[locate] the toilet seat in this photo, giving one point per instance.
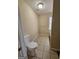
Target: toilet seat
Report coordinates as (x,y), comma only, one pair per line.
(32,48)
(32,45)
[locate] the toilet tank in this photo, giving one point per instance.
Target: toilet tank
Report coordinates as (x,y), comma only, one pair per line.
(27,39)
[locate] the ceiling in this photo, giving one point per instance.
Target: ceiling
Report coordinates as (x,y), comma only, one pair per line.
(48,6)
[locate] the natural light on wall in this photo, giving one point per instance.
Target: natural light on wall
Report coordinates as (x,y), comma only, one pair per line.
(50,23)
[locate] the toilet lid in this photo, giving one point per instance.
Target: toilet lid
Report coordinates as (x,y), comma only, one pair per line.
(32,45)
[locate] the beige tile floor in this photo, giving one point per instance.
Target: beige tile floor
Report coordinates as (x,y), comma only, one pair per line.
(43,50)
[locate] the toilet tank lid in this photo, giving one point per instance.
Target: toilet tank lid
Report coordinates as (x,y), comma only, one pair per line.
(26,36)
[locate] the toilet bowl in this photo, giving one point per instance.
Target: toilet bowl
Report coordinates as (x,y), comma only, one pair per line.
(30,44)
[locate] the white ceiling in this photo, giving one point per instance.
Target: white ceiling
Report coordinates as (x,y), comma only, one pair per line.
(48,6)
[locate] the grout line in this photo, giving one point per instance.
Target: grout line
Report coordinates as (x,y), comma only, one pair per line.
(43,52)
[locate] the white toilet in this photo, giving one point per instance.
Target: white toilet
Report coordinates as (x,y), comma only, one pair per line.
(30,44)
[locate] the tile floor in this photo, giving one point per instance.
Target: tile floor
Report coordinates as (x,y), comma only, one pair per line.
(43,50)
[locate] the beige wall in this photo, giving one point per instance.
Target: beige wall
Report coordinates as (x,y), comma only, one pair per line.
(43,24)
(29,19)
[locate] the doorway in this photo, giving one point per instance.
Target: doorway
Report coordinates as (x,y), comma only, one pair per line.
(37,23)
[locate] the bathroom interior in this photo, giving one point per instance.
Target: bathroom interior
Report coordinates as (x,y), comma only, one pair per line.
(38,29)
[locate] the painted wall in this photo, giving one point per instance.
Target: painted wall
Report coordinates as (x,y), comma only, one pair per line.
(29,19)
(43,24)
